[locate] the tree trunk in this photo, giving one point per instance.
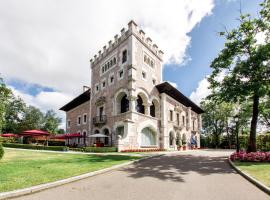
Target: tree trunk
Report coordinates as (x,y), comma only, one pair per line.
(253,127)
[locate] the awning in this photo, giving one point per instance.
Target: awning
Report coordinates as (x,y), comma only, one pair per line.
(98,135)
(8,135)
(35,133)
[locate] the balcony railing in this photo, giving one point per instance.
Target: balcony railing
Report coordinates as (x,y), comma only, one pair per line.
(99,120)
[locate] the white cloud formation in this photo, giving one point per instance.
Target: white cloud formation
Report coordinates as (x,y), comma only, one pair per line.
(201,91)
(45,101)
(50,42)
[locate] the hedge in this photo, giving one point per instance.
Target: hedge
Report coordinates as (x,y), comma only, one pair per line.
(36,147)
(1,151)
(95,149)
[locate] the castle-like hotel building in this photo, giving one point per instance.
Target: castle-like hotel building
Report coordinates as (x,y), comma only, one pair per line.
(128,101)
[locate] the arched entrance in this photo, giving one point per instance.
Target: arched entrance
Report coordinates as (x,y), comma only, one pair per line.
(148,137)
(106,139)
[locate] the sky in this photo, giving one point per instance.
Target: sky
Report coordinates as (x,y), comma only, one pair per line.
(46,46)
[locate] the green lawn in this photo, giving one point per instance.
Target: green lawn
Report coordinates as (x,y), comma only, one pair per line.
(259,171)
(22,168)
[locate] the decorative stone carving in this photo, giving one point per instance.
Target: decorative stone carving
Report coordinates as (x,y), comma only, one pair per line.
(100,101)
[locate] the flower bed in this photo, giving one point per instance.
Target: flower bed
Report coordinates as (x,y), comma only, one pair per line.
(143,150)
(251,157)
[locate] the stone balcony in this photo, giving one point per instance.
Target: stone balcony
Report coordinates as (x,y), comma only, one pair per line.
(100,120)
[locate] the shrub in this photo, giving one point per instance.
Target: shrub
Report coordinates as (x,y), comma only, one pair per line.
(36,147)
(251,157)
(1,151)
(143,150)
(99,149)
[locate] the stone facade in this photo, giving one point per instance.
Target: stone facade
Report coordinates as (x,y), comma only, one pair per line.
(125,102)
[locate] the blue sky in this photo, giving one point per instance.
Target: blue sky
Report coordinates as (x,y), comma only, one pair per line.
(205,43)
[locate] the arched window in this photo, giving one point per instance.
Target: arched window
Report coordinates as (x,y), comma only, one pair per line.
(178,139)
(114,60)
(124,107)
(107,133)
(140,106)
(153,110)
(148,137)
(171,138)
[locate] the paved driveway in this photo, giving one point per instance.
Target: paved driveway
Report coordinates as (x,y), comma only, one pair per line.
(190,175)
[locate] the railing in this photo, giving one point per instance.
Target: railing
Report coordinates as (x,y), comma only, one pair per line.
(98,120)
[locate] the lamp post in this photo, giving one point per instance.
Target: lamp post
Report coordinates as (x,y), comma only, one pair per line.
(236,118)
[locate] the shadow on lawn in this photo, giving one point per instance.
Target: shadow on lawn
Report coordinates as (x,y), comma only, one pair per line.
(173,168)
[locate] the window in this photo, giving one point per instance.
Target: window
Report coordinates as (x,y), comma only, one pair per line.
(97,88)
(193,125)
(124,56)
(79,120)
(124,105)
(153,110)
(68,123)
(154,81)
(108,64)
(148,60)
(178,119)
(140,106)
(111,79)
(171,138)
(85,118)
(121,74)
(143,75)
(171,115)
(148,137)
(183,120)
(120,131)
(103,84)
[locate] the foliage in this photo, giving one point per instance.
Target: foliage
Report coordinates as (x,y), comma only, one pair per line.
(215,119)
(2,152)
(96,149)
(262,141)
(244,64)
(8,140)
(4,96)
(265,111)
(251,157)
(143,150)
(36,147)
(51,122)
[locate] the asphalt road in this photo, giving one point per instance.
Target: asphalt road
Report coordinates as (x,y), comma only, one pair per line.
(203,175)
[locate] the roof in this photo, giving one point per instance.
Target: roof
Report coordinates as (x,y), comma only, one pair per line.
(178,96)
(82,98)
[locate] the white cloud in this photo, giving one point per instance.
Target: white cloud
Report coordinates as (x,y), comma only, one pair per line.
(201,91)
(50,42)
(45,101)
(173,84)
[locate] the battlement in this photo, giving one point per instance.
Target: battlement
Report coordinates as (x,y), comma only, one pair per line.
(124,34)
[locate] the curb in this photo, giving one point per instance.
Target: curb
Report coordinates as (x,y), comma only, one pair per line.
(38,188)
(250,179)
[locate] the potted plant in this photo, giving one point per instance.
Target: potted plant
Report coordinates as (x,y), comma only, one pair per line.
(184,145)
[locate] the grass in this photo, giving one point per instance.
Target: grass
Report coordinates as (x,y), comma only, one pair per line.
(259,171)
(22,168)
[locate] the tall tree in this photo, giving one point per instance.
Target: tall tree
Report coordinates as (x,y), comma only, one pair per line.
(216,119)
(265,112)
(51,122)
(33,118)
(245,65)
(5,94)
(14,112)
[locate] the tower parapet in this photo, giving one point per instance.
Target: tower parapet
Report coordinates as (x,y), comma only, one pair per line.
(132,30)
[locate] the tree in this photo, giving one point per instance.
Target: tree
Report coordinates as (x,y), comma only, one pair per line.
(5,94)
(51,122)
(265,112)
(245,66)
(15,109)
(216,119)
(33,118)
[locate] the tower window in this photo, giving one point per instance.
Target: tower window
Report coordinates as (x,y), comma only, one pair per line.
(124,56)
